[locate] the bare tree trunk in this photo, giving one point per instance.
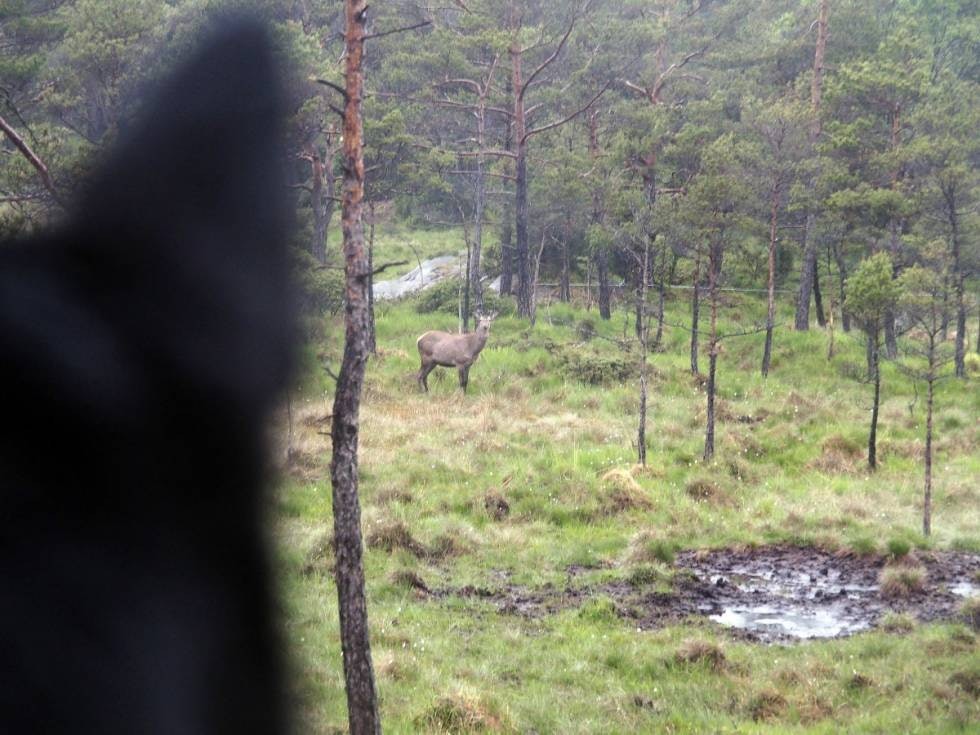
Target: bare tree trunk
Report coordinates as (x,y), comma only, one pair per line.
(695,313)
(714,273)
(564,281)
(644,329)
(661,298)
(771,282)
(838,247)
(506,221)
(372,333)
(601,254)
(817,297)
(876,377)
(362,700)
(474,254)
(959,355)
(930,392)
(520,185)
(809,265)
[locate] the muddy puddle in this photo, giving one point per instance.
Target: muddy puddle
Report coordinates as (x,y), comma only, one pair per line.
(773,594)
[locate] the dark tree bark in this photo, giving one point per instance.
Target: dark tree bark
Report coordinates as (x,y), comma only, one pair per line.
(876,379)
(714,275)
(809,265)
(774,196)
(838,248)
(362,701)
(661,297)
(564,279)
(521,252)
(817,297)
(695,312)
(644,334)
(601,254)
(507,219)
(372,333)
(930,393)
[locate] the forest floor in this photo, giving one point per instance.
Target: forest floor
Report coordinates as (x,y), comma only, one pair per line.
(525,575)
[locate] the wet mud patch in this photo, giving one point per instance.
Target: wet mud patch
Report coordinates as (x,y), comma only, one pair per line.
(770,594)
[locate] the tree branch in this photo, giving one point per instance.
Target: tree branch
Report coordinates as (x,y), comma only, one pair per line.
(33,159)
(567,118)
(382,34)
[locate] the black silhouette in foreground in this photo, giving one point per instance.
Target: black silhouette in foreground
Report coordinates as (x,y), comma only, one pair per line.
(142,347)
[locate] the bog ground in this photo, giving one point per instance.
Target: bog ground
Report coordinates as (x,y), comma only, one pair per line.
(525,576)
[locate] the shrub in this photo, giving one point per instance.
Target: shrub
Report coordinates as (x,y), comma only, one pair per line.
(895,622)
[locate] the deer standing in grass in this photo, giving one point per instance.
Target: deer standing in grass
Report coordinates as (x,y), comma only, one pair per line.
(452,350)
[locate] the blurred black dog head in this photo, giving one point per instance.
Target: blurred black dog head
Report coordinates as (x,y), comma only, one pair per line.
(142,347)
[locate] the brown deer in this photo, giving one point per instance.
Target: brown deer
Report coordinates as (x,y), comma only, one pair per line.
(452,350)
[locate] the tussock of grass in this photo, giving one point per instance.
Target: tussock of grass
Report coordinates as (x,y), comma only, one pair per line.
(409,579)
(705,491)
(460,713)
(496,505)
(647,547)
(320,557)
(696,650)
(898,623)
(970,612)
(393,535)
(622,493)
(898,582)
(766,705)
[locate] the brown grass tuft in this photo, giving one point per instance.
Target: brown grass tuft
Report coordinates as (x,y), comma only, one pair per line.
(898,623)
(967,680)
(695,650)
(622,493)
(320,557)
(705,491)
(970,612)
(447,545)
(496,505)
(767,705)
(410,579)
(902,581)
(459,713)
(389,536)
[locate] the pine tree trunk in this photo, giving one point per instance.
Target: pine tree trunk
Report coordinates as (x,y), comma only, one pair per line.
(506,221)
(809,265)
(817,297)
(876,377)
(644,333)
(927,490)
(318,247)
(362,701)
(842,279)
(661,299)
(695,313)
(771,281)
(473,268)
(521,252)
(714,274)
(601,255)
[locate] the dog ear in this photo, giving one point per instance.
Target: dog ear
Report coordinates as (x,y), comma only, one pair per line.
(185,223)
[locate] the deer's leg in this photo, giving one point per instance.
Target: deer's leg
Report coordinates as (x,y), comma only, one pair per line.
(464,376)
(424,374)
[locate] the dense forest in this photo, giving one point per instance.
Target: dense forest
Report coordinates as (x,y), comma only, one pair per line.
(734,250)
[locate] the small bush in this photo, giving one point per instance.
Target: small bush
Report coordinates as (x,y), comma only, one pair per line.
(442,297)
(705,491)
(864,545)
(901,582)
(408,578)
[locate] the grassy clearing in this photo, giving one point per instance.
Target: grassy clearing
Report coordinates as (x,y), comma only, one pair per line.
(533,472)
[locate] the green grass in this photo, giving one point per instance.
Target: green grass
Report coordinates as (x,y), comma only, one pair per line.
(790,467)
